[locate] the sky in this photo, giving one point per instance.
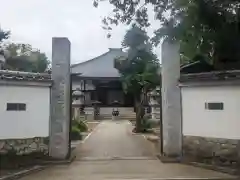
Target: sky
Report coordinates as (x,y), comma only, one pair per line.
(35,22)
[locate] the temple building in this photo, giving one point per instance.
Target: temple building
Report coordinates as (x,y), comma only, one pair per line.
(100,81)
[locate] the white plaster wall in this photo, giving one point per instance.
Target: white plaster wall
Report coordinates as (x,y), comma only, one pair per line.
(198,121)
(34,122)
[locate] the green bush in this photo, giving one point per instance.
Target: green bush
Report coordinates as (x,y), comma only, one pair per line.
(145,125)
(82,126)
(75,133)
(74,122)
(77,128)
(154,123)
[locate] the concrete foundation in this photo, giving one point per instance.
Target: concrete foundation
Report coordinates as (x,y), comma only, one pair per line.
(24,146)
(222,151)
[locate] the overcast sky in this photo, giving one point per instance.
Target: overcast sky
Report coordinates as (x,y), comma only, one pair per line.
(35,22)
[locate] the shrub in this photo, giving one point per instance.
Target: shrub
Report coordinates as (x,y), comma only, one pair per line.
(145,125)
(82,126)
(77,128)
(74,122)
(75,133)
(154,123)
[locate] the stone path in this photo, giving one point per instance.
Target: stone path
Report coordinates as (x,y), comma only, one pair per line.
(112,152)
(115,140)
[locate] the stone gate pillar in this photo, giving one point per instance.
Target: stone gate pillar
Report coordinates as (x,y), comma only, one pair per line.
(171,101)
(60,99)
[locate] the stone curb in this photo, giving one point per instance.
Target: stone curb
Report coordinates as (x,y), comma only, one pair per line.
(181,178)
(115,158)
(22,173)
(45,164)
(59,162)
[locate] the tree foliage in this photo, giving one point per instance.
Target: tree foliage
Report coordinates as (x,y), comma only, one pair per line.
(23,57)
(139,70)
(4,35)
(207,27)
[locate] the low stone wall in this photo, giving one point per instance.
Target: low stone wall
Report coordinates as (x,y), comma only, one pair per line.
(213,150)
(24,146)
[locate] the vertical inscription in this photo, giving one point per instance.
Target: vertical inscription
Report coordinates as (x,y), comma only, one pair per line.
(171,100)
(60,98)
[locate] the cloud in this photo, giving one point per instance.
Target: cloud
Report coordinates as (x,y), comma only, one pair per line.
(36,21)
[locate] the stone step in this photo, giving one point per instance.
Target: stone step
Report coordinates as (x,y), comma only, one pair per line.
(107,158)
(127,115)
(108,110)
(127,118)
(119,117)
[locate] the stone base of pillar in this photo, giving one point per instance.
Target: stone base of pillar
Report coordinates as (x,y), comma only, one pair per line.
(156,116)
(89,117)
(169,159)
(114,118)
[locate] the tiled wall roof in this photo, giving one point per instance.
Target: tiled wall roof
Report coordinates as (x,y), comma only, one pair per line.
(211,76)
(24,76)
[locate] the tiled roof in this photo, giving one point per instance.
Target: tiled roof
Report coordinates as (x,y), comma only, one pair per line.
(101,66)
(24,76)
(211,76)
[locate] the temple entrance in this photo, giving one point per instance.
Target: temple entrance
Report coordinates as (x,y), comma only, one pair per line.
(104,91)
(102,94)
(129,100)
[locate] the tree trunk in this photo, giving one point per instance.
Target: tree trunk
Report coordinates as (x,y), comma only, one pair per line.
(138,117)
(139,112)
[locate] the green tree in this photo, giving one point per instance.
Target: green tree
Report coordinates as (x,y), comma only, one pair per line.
(41,62)
(207,27)
(139,70)
(4,35)
(23,57)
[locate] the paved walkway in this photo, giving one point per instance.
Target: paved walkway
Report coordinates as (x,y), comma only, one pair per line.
(113,153)
(115,140)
